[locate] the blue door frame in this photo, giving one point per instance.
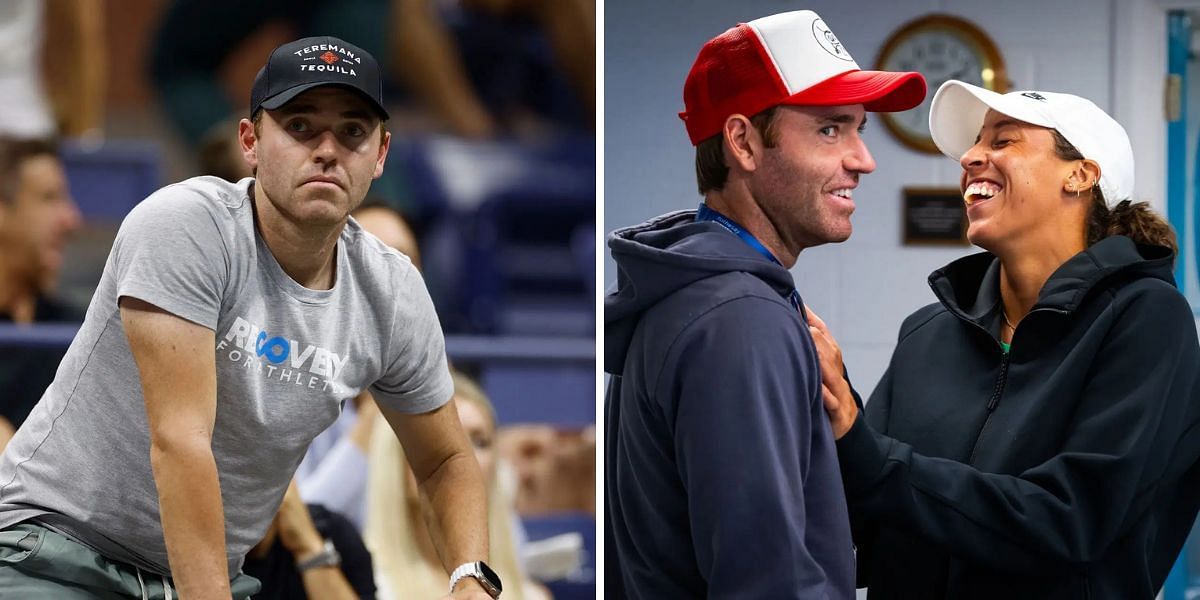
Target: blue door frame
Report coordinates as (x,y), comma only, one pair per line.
(1179,36)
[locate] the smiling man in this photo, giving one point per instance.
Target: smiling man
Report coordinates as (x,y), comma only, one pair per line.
(721,474)
(230,324)
(37,218)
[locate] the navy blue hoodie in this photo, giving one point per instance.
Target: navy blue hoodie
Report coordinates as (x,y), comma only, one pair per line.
(721,476)
(1068,467)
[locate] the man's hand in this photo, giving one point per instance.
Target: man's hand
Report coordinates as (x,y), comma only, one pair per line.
(839,402)
(469,589)
(297,532)
(469,595)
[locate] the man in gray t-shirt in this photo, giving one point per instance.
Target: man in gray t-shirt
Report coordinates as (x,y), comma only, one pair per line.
(231,322)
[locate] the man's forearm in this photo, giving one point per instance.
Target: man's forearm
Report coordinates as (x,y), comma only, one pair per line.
(193,519)
(449,478)
(458,525)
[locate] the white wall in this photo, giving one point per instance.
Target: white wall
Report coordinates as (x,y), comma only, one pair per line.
(1110,51)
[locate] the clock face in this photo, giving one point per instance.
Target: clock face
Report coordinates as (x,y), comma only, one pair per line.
(945,48)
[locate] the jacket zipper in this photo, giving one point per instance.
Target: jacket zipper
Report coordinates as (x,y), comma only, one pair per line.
(993,402)
(997,391)
(991,405)
(1000,381)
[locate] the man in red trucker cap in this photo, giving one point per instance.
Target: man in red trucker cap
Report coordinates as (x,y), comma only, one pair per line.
(721,475)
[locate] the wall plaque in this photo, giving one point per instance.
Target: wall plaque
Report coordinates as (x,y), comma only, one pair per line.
(934,216)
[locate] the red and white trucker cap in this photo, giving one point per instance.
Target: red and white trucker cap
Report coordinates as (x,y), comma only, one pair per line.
(788,58)
(958,110)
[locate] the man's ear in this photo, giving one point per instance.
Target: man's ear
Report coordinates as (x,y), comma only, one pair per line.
(743,144)
(383,151)
(248,141)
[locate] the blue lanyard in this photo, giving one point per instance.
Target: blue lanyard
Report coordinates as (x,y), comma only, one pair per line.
(707,214)
(704,213)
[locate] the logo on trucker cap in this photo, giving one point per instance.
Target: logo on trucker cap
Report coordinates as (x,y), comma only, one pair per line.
(828,41)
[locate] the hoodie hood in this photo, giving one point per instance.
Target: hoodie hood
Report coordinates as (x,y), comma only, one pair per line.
(970,286)
(664,255)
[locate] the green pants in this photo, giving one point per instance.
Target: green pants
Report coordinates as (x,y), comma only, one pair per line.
(36,562)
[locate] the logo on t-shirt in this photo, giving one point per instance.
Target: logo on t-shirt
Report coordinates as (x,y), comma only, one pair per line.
(280,358)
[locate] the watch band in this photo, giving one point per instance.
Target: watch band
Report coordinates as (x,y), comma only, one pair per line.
(487,578)
(327,557)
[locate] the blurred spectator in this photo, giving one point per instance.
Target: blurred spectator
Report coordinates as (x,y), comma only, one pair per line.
(556,469)
(220,155)
(463,75)
(334,470)
(407,565)
(466,60)
(293,561)
(37,215)
(385,223)
(75,67)
(196,38)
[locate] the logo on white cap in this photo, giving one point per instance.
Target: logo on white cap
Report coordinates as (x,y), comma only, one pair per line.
(828,41)
(794,58)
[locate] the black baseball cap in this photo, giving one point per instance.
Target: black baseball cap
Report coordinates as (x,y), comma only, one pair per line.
(298,66)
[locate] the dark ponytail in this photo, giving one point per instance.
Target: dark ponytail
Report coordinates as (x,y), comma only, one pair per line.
(1135,220)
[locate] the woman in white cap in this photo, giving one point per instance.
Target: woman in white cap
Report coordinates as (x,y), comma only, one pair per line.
(1037,432)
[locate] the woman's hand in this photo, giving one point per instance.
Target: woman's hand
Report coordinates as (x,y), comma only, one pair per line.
(839,402)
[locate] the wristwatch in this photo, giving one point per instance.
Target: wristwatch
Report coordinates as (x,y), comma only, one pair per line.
(327,557)
(482,573)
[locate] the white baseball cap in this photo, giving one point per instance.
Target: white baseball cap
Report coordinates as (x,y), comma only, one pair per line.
(958,110)
(787,58)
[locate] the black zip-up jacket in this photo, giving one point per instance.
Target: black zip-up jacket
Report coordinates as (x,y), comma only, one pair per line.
(1066,468)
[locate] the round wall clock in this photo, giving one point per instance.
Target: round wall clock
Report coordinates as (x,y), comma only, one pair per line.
(940,47)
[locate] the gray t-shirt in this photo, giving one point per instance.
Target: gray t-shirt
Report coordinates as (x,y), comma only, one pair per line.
(287,358)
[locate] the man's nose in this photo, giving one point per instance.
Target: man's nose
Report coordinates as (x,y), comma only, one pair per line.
(860,160)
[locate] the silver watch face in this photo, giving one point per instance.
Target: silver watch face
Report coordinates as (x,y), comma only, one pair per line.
(490,579)
(479,571)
